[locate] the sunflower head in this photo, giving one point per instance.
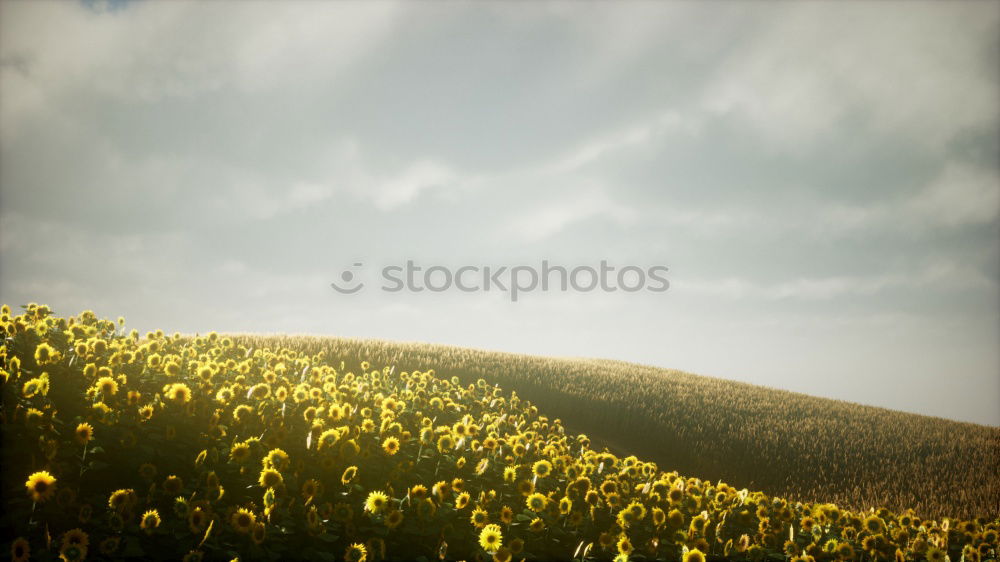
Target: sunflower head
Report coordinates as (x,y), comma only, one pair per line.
(258,533)
(242,520)
(84,433)
(376,502)
(356,553)
(270,478)
(393,519)
(694,555)
(77,537)
(490,538)
(390,446)
(41,486)
(150,521)
(536,502)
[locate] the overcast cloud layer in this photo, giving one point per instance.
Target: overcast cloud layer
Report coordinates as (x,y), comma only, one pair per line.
(822,180)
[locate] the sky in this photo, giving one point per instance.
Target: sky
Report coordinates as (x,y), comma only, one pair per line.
(822,180)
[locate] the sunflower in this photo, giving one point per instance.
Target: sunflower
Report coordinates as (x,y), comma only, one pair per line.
(536,502)
(270,478)
(147,471)
(311,488)
(510,474)
(542,468)
(276,459)
(41,486)
(197,520)
(845,551)
(45,354)
(77,537)
(107,386)
(356,553)
(479,518)
(418,491)
(874,525)
(565,506)
(342,512)
(870,543)
(393,519)
(84,433)
(376,502)
(637,510)
(462,500)
(242,520)
(173,485)
(86,510)
(150,521)
(109,546)
(348,475)
(490,538)
(179,393)
(694,555)
(625,546)
(258,533)
(260,391)
(935,554)
(38,385)
(503,554)
(675,495)
(239,453)
(506,515)
(536,525)
(390,446)
(445,443)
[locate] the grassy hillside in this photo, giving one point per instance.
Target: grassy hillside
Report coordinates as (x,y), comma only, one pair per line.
(116,445)
(793,445)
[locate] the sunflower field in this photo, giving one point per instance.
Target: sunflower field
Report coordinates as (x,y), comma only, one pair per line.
(117,445)
(800,447)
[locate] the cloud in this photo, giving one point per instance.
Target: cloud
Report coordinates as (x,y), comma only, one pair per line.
(204,166)
(407,185)
(550,218)
(927,76)
(946,276)
(630,138)
(961,195)
(150,52)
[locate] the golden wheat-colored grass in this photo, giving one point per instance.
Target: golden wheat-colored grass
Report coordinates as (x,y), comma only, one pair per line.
(794,445)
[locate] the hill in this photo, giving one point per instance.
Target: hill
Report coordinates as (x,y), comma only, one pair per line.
(784,443)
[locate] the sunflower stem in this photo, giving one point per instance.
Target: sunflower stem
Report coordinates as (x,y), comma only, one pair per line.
(83,459)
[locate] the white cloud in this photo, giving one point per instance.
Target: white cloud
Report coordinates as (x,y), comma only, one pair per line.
(961,195)
(151,51)
(631,138)
(924,75)
(554,216)
(404,187)
(942,275)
